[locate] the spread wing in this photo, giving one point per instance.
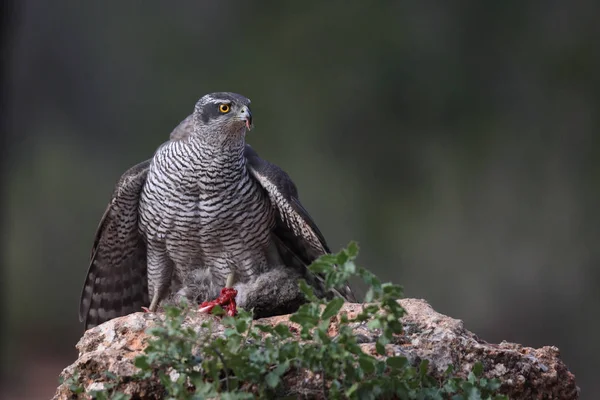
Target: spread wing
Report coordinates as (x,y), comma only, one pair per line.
(116,282)
(297,237)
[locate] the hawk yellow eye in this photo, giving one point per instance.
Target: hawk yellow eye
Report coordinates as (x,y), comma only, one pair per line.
(224,108)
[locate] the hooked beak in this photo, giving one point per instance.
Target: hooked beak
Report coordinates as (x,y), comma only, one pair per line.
(246,115)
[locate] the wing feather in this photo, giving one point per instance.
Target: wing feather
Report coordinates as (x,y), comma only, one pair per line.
(297,236)
(116,282)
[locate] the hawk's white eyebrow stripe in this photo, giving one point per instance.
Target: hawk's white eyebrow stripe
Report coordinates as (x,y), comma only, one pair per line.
(210,99)
(214,100)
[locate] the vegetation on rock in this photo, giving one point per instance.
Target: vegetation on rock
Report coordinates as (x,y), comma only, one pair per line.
(252,359)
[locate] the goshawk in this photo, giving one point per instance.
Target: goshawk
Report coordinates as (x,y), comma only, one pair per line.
(205,208)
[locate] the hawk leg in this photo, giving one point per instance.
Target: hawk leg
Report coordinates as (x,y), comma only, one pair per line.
(160,270)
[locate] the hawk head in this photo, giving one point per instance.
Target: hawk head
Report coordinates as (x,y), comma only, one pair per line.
(222,116)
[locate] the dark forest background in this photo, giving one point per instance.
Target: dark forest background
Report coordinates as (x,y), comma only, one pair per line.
(456,141)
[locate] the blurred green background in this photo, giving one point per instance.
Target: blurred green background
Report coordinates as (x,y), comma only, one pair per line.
(456,141)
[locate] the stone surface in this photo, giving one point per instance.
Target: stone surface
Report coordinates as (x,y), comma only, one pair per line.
(525,373)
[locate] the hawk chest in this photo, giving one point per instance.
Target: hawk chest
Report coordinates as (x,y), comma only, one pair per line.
(206,212)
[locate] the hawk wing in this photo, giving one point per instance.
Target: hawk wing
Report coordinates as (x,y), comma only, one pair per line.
(184,129)
(296,235)
(116,282)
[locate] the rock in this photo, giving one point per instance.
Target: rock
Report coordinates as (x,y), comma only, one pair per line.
(525,373)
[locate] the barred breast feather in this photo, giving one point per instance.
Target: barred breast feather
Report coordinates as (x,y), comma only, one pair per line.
(208,211)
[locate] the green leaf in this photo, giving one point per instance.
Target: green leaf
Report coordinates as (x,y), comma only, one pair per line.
(241,325)
(218,310)
(385,338)
(142,363)
(110,376)
(471,377)
(478,369)
(451,386)
(230,332)
(281,368)
(380,348)
(431,393)
(156,331)
(395,326)
(369,295)
(397,362)
(308,291)
(370,279)
(327,260)
(389,287)
(173,312)
(283,330)
(264,328)
(352,249)
(304,320)
(473,393)
(351,390)
(228,321)
(233,343)
(332,308)
(272,379)
(76,388)
(374,324)
(367,363)
(342,257)
(233,396)
(423,368)
(349,268)
(494,384)
(319,267)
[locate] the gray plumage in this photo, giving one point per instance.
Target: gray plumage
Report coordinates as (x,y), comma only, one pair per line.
(204,207)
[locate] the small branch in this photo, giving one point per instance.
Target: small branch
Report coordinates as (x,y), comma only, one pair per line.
(218,353)
(324,382)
